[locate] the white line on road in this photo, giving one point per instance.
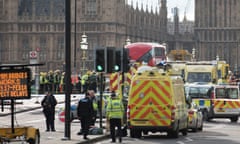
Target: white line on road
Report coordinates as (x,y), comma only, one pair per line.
(188,139)
(180,142)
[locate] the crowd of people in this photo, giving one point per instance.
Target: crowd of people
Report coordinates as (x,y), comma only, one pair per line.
(54,82)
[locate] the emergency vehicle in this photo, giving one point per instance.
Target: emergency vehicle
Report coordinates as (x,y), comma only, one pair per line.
(156,103)
(201,71)
(199,93)
(225,102)
(222,71)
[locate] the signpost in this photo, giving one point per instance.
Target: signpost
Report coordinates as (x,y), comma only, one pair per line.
(15,83)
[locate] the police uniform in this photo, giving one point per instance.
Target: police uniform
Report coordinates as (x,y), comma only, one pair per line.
(85,113)
(115,111)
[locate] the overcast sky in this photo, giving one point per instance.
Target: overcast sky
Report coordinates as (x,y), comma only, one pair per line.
(183,5)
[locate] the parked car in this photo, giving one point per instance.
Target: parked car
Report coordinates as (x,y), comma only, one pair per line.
(73,107)
(195,118)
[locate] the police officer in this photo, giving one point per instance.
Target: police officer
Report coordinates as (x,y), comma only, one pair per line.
(92,81)
(85,114)
(48,103)
(95,106)
(57,79)
(50,78)
(84,82)
(115,111)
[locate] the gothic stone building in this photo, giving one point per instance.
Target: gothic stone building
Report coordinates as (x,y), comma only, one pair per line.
(217,30)
(28,26)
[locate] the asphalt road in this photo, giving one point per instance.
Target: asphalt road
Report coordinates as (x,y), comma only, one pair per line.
(218,131)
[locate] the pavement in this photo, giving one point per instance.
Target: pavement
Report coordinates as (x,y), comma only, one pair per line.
(57,137)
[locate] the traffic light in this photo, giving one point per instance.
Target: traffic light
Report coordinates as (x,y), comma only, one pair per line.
(126,60)
(117,64)
(100,60)
(110,59)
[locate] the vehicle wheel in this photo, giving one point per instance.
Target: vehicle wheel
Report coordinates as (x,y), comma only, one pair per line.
(185,132)
(234,119)
(36,140)
(132,133)
(145,132)
(201,127)
(196,127)
(205,115)
(175,133)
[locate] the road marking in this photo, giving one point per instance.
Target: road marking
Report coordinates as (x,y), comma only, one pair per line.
(180,142)
(188,139)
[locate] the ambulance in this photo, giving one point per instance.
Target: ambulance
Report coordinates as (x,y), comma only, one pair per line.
(225,102)
(201,71)
(156,103)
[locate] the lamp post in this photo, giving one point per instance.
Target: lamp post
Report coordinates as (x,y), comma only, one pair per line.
(193,54)
(84,47)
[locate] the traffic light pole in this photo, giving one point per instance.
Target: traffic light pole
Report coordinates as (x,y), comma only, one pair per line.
(122,71)
(101,97)
(67,130)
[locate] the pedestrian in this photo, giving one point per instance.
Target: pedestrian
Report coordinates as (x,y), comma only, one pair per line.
(95,106)
(115,111)
(85,114)
(49,103)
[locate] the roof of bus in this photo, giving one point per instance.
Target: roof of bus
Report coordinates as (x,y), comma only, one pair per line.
(136,50)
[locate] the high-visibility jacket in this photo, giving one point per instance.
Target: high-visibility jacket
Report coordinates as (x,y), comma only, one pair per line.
(43,79)
(115,109)
(95,105)
(84,79)
(57,78)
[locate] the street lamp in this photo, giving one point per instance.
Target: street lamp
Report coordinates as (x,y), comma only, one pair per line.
(84,47)
(193,54)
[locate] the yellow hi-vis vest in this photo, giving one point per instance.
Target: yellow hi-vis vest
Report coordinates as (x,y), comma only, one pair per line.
(115,109)
(95,105)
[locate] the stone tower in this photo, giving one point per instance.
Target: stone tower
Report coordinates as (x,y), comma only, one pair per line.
(217,30)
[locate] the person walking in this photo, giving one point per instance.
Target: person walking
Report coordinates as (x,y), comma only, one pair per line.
(115,111)
(49,103)
(85,114)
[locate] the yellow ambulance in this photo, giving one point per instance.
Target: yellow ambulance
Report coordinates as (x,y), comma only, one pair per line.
(157,103)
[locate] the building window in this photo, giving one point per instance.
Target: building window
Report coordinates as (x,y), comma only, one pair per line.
(43,46)
(91,7)
(58,7)
(26,48)
(42,7)
(60,47)
(25,7)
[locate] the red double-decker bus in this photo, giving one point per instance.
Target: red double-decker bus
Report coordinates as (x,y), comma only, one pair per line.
(150,53)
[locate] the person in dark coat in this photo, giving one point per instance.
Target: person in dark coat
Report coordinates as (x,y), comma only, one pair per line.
(48,103)
(85,113)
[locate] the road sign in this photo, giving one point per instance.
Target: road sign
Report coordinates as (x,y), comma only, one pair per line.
(61,116)
(33,54)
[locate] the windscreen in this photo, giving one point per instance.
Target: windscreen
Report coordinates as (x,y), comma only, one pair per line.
(199,77)
(198,92)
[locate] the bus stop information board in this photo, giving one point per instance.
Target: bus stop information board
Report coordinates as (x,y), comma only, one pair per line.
(15,83)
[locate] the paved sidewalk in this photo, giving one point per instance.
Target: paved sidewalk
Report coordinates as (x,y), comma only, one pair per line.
(58,136)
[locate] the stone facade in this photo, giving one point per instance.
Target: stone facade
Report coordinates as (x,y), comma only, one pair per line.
(39,25)
(217,30)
